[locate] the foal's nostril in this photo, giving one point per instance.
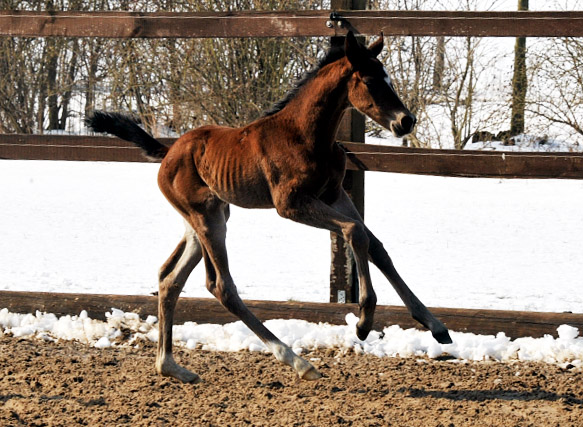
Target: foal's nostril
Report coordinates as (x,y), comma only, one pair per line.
(408,122)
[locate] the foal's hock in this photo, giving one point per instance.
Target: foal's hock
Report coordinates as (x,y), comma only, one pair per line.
(288,160)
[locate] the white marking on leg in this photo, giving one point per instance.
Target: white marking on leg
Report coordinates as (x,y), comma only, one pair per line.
(170,286)
(281,352)
(286,355)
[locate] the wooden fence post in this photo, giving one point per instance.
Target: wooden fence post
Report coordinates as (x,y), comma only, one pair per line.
(343,277)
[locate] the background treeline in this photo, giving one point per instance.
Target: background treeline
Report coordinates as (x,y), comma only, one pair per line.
(456,86)
(46,84)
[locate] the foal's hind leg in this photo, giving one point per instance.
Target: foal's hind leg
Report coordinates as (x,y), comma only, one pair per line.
(381,259)
(173,275)
(211,230)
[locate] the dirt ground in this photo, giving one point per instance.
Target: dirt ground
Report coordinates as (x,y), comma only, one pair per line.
(68,383)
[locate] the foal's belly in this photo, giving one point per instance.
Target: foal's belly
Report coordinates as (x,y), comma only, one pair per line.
(253,196)
(238,185)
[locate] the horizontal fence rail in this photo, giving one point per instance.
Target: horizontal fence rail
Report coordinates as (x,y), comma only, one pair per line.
(485,164)
(464,163)
(289,24)
(68,147)
(201,310)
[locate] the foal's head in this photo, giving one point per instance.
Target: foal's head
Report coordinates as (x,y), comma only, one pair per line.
(371,91)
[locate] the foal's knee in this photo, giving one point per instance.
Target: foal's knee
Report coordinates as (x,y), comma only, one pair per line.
(355,234)
(377,252)
(169,290)
(222,290)
(368,302)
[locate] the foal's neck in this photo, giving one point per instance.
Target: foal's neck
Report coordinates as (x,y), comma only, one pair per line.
(318,107)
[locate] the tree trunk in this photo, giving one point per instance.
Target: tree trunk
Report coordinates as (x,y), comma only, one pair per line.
(51,61)
(439,67)
(69,81)
(519,81)
(92,55)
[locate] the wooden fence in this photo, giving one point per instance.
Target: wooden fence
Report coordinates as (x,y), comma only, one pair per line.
(365,157)
(361,157)
(305,23)
(290,24)
(201,310)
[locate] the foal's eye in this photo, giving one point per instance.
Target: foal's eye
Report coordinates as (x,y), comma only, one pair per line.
(368,82)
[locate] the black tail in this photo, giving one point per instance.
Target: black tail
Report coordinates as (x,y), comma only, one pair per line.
(127,128)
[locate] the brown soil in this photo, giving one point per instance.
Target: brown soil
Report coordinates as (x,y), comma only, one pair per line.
(68,383)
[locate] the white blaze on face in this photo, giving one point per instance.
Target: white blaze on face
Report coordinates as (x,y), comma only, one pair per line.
(388,78)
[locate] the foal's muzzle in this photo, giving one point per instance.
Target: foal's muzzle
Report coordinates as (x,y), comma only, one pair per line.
(404,124)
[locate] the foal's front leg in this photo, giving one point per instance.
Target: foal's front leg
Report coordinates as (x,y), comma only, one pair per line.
(379,256)
(311,211)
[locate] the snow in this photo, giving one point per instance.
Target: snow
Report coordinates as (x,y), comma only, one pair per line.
(473,243)
(302,336)
(525,143)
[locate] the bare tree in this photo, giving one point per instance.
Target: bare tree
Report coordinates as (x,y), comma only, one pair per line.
(439,79)
(18,92)
(180,82)
(557,75)
(519,81)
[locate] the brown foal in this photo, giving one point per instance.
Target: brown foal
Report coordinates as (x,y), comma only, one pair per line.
(288,160)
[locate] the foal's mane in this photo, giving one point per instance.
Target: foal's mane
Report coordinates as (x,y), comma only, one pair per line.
(331,56)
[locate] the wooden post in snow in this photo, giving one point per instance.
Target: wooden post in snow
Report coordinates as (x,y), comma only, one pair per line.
(343,276)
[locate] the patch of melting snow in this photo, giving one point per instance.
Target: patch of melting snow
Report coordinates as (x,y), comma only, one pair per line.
(122,328)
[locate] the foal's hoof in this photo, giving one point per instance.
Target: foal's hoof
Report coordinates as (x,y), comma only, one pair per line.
(364,326)
(311,374)
(362,333)
(442,336)
(194,379)
(174,370)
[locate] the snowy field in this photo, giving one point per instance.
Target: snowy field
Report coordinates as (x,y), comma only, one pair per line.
(472,243)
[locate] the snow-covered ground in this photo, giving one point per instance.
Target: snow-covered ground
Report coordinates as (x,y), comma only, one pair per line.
(473,243)
(525,143)
(301,336)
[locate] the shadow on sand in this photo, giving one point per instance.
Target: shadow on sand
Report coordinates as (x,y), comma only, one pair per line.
(484,395)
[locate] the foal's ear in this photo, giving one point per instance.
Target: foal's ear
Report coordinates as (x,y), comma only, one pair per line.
(377,46)
(353,50)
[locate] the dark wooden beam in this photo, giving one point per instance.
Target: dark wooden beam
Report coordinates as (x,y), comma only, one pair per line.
(68,147)
(468,23)
(463,163)
(289,24)
(164,24)
(200,310)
